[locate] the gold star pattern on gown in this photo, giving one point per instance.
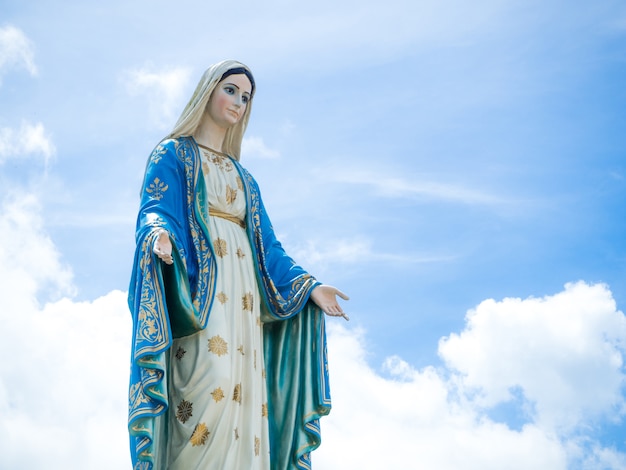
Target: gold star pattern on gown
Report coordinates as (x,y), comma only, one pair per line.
(246,302)
(200,435)
(221,247)
(237,393)
(223,298)
(218,346)
(217,394)
(184,411)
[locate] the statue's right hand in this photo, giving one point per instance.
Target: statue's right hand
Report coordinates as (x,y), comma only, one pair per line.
(163,247)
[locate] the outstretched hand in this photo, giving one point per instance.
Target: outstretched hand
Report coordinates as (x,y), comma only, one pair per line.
(163,247)
(326,298)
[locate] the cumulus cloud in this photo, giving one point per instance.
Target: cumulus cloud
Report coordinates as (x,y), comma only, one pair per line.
(27,141)
(164,90)
(16,50)
(563,352)
(64,378)
(411,418)
(30,260)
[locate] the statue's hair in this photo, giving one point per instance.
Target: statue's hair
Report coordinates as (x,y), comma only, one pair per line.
(192,114)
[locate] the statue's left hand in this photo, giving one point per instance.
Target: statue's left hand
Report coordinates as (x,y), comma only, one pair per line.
(326,298)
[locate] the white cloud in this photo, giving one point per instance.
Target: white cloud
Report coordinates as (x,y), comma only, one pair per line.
(30,139)
(64,376)
(564,352)
(354,250)
(15,50)
(30,260)
(164,90)
(400,187)
(253,147)
(64,379)
(413,419)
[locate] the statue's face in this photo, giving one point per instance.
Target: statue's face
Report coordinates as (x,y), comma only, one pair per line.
(229,100)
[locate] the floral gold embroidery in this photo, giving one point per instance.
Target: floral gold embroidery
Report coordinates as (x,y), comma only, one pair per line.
(231,194)
(157,154)
(221,247)
(223,163)
(200,435)
(217,394)
(246,302)
(240,253)
(257,445)
(237,393)
(239,183)
(157,188)
(180,352)
(264,410)
(184,411)
(218,346)
(223,298)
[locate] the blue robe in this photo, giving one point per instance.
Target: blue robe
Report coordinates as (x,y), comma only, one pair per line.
(174,301)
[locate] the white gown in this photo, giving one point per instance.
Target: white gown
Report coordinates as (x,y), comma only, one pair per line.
(217,393)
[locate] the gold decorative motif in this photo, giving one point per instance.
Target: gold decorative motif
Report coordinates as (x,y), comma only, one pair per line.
(200,435)
(240,253)
(264,374)
(221,247)
(257,445)
(157,188)
(264,410)
(239,183)
(205,167)
(136,396)
(231,194)
(180,352)
(218,346)
(184,411)
(247,301)
(222,297)
(222,162)
(217,394)
(157,154)
(240,349)
(237,393)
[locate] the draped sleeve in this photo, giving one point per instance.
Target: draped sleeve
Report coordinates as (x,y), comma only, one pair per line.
(165,301)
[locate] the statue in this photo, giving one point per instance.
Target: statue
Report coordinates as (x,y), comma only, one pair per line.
(229,365)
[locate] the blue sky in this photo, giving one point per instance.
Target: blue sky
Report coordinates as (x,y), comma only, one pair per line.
(458,169)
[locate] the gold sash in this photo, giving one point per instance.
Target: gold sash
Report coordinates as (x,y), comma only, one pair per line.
(225,215)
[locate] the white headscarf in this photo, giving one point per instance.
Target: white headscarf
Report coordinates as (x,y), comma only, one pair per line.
(192,114)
